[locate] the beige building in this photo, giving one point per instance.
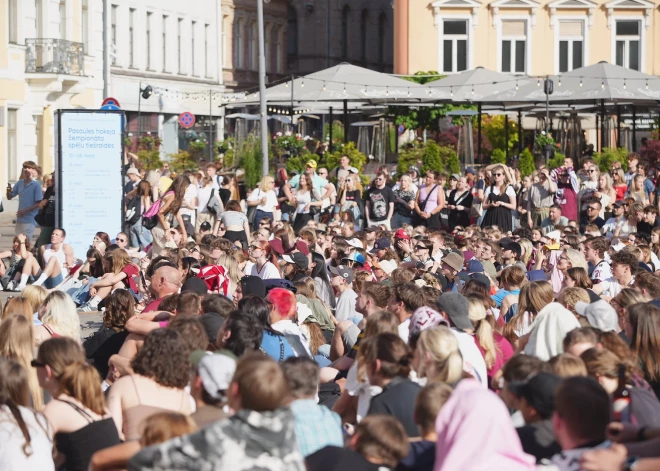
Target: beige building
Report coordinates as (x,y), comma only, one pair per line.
(525,36)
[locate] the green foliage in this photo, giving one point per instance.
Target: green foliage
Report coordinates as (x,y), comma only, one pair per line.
(542,139)
(182,161)
(450,160)
(431,157)
(337,132)
(196,149)
(357,158)
(227,151)
(526,163)
(149,159)
(493,128)
(604,159)
(556,161)
(297,163)
(498,157)
(251,160)
(287,145)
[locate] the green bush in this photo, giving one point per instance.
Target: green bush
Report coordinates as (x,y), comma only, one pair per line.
(297,163)
(526,163)
(357,158)
(604,159)
(337,131)
(498,157)
(250,161)
(149,159)
(409,156)
(557,161)
(182,161)
(450,160)
(431,157)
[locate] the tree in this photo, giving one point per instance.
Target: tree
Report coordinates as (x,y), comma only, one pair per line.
(450,160)
(498,157)
(493,128)
(605,158)
(526,163)
(431,157)
(250,161)
(182,161)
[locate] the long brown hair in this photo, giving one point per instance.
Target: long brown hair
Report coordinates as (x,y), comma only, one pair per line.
(164,426)
(645,342)
(17,307)
(533,297)
(81,381)
(178,186)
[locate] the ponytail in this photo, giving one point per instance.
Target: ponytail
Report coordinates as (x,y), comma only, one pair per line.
(484,334)
(82,382)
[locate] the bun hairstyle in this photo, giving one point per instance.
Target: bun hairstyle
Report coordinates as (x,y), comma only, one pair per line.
(394,355)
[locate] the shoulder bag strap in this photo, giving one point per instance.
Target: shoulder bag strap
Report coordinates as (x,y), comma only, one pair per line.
(428,196)
(281,348)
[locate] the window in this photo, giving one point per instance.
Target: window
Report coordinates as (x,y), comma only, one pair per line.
(192,47)
(268,32)
(206,51)
(382,32)
(345,18)
(251,52)
(12,14)
(514,46)
(12,144)
(179,28)
(238,44)
(363,34)
(274,49)
(292,33)
(39,20)
(62,11)
(571,45)
(131,37)
(225,43)
(454,45)
(84,25)
(148,32)
(627,47)
(164,43)
(113,32)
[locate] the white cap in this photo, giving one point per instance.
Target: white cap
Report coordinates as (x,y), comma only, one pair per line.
(600,315)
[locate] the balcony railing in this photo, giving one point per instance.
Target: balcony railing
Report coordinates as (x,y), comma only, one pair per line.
(54,56)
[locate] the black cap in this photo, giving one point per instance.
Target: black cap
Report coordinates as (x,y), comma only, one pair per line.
(538,391)
(508,244)
(253,285)
(195,285)
(205,226)
(298,259)
(212,322)
(380,244)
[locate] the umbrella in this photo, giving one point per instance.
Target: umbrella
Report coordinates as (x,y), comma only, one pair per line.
(337,84)
(601,81)
(471,85)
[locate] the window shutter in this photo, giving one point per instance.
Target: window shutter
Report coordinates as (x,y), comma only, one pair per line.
(513,28)
(570,28)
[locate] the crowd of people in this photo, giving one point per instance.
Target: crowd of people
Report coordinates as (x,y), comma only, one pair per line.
(419,322)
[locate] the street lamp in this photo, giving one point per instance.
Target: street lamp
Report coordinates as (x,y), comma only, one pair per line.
(144,93)
(262,88)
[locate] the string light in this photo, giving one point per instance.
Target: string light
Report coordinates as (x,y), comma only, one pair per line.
(286,84)
(580,82)
(472,90)
(344,88)
(408,92)
(602,84)
(516,85)
(559,84)
(624,84)
(451,91)
(387,91)
(647,84)
(538,83)
(302,83)
(323,86)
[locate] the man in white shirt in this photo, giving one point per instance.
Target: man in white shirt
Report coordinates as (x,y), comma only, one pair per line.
(211,172)
(624,265)
(342,282)
(594,252)
(454,307)
(406,299)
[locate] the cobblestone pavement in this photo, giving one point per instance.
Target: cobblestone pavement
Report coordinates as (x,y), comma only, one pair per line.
(89,322)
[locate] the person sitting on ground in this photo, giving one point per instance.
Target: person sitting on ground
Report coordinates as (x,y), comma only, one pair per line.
(58,319)
(58,259)
(261,431)
(302,375)
(212,377)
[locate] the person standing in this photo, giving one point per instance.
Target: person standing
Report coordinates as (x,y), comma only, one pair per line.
(380,202)
(404,203)
(265,199)
(499,202)
(29,193)
(430,201)
(305,199)
(567,188)
(540,199)
(459,204)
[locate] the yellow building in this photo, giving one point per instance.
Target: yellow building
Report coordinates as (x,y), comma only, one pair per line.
(525,36)
(49,59)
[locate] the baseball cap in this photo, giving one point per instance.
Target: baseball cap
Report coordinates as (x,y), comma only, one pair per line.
(508,244)
(538,391)
(465,276)
(470,170)
(456,307)
(401,234)
(216,371)
(253,285)
(454,260)
(356,257)
(345,272)
(475,266)
(298,259)
(600,315)
(195,285)
(455,176)
(619,203)
(425,318)
(380,244)
(311,163)
(489,268)
(205,226)
(355,242)
(132,171)
(371,229)
(388,266)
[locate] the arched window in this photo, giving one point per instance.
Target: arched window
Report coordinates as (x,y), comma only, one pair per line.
(292,32)
(382,39)
(345,18)
(363,34)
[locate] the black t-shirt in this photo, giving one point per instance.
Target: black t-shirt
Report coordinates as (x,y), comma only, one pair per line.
(334,458)
(398,400)
(380,200)
(538,440)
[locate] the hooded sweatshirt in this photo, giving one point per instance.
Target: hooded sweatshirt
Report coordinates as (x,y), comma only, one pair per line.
(550,327)
(248,440)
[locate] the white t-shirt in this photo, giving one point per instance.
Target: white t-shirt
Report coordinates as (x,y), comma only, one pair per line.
(12,441)
(496,191)
(203,196)
(602,272)
(611,287)
(473,360)
(271,200)
(404,330)
(267,272)
(363,390)
(189,198)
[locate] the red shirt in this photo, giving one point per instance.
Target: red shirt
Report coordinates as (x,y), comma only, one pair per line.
(505,352)
(132,273)
(153,305)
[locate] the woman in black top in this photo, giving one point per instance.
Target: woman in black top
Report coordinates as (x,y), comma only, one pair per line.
(224,192)
(459,204)
(404,204)
(500,201)
(351,198)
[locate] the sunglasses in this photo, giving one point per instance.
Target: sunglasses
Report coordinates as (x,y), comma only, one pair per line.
(498,174)
(420,247)
(121,240)
(253,247)
(37,364)
(592,208)
(591,171)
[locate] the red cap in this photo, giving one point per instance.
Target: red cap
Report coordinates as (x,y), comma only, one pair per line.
(401,234)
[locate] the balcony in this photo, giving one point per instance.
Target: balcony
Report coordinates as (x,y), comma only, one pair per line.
(54,56)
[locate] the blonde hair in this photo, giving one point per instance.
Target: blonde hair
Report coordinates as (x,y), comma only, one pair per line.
(533,297)
(17,343)
(569,297)
(483,330)
(528,250)
(576,259)
(441,346)
(59,311)
(629,296)
(608,181)
(17,307)
(233,270)
(35,294)
(164,426)
(566,365)
(267,182)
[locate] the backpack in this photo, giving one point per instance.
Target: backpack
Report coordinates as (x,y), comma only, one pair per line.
(133,210)
(150,216)
(216,278)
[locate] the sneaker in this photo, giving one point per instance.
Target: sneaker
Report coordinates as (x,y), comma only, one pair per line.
(11,286)
(86,308)
(19,287)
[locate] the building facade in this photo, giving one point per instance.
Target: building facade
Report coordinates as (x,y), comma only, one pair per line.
(525,36)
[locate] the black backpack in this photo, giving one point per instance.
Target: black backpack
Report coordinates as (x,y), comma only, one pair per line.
(134,210)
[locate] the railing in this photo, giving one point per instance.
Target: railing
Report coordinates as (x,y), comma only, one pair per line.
(54,56)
